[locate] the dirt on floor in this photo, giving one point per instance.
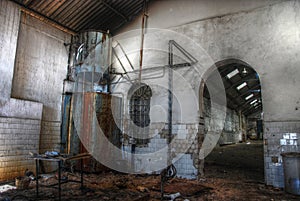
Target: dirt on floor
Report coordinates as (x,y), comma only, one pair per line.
(233,172)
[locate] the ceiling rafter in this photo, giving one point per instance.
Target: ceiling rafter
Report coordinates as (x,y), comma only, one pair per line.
(78,15)
(115,10)
(257,96)
(252,110)
(236,98)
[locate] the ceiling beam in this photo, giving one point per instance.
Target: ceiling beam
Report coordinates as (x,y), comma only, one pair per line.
(250,100)
(253,110)
(244,79)
(115,10)
(251,88)
(44,18)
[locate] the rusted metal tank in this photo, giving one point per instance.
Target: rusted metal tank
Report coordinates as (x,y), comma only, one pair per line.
(94,108)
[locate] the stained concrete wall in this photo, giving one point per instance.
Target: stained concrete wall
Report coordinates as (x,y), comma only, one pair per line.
(270,46)
(41,67)
(33,65)
(9,20)
(20,120)
(266,36)
(167,14)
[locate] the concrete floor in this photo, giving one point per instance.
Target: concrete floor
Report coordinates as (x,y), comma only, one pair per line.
(246,159)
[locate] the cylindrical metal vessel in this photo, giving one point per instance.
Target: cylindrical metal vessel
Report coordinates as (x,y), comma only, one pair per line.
(91,58)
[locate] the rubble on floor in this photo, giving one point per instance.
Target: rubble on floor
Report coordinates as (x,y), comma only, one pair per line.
(225,185)
(233,172)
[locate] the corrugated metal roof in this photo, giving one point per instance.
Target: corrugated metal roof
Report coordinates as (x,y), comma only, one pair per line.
(80,15)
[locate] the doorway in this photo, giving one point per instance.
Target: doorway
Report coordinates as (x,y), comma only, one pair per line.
(239,151)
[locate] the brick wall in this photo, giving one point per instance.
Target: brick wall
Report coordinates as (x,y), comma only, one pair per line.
(184,148)
(50,136)
(274,135)
(18,137)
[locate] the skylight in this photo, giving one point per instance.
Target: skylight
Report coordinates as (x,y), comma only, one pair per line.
(253,101)
(248,97)
(241,86)
(232,73)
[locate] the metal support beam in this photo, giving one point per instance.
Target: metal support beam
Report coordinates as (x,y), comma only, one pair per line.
(244,79)
(115,10)
(45,18)
(254,110)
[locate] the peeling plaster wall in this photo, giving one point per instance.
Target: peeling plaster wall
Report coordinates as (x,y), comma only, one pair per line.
(41,67)
(266,36)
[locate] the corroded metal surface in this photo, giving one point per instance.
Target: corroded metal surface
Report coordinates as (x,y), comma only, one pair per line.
(103,106)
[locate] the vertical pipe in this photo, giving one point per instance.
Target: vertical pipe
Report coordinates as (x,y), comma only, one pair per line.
(142,41)
(70,76)
(70,131)
(93,78)
(109,61)
(170,99)
(170,103)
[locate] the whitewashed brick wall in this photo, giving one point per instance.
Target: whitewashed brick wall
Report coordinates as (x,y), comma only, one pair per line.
(274,132)
(18,137)
(50,136)
(184,145)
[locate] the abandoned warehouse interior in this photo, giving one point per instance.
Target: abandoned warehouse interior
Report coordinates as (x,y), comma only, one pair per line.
(149,100)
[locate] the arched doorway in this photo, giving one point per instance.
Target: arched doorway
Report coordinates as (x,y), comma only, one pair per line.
(240,145)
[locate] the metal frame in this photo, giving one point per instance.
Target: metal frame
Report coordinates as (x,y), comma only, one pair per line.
(59,161)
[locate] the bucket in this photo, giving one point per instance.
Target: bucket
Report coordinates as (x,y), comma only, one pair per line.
(291,166)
